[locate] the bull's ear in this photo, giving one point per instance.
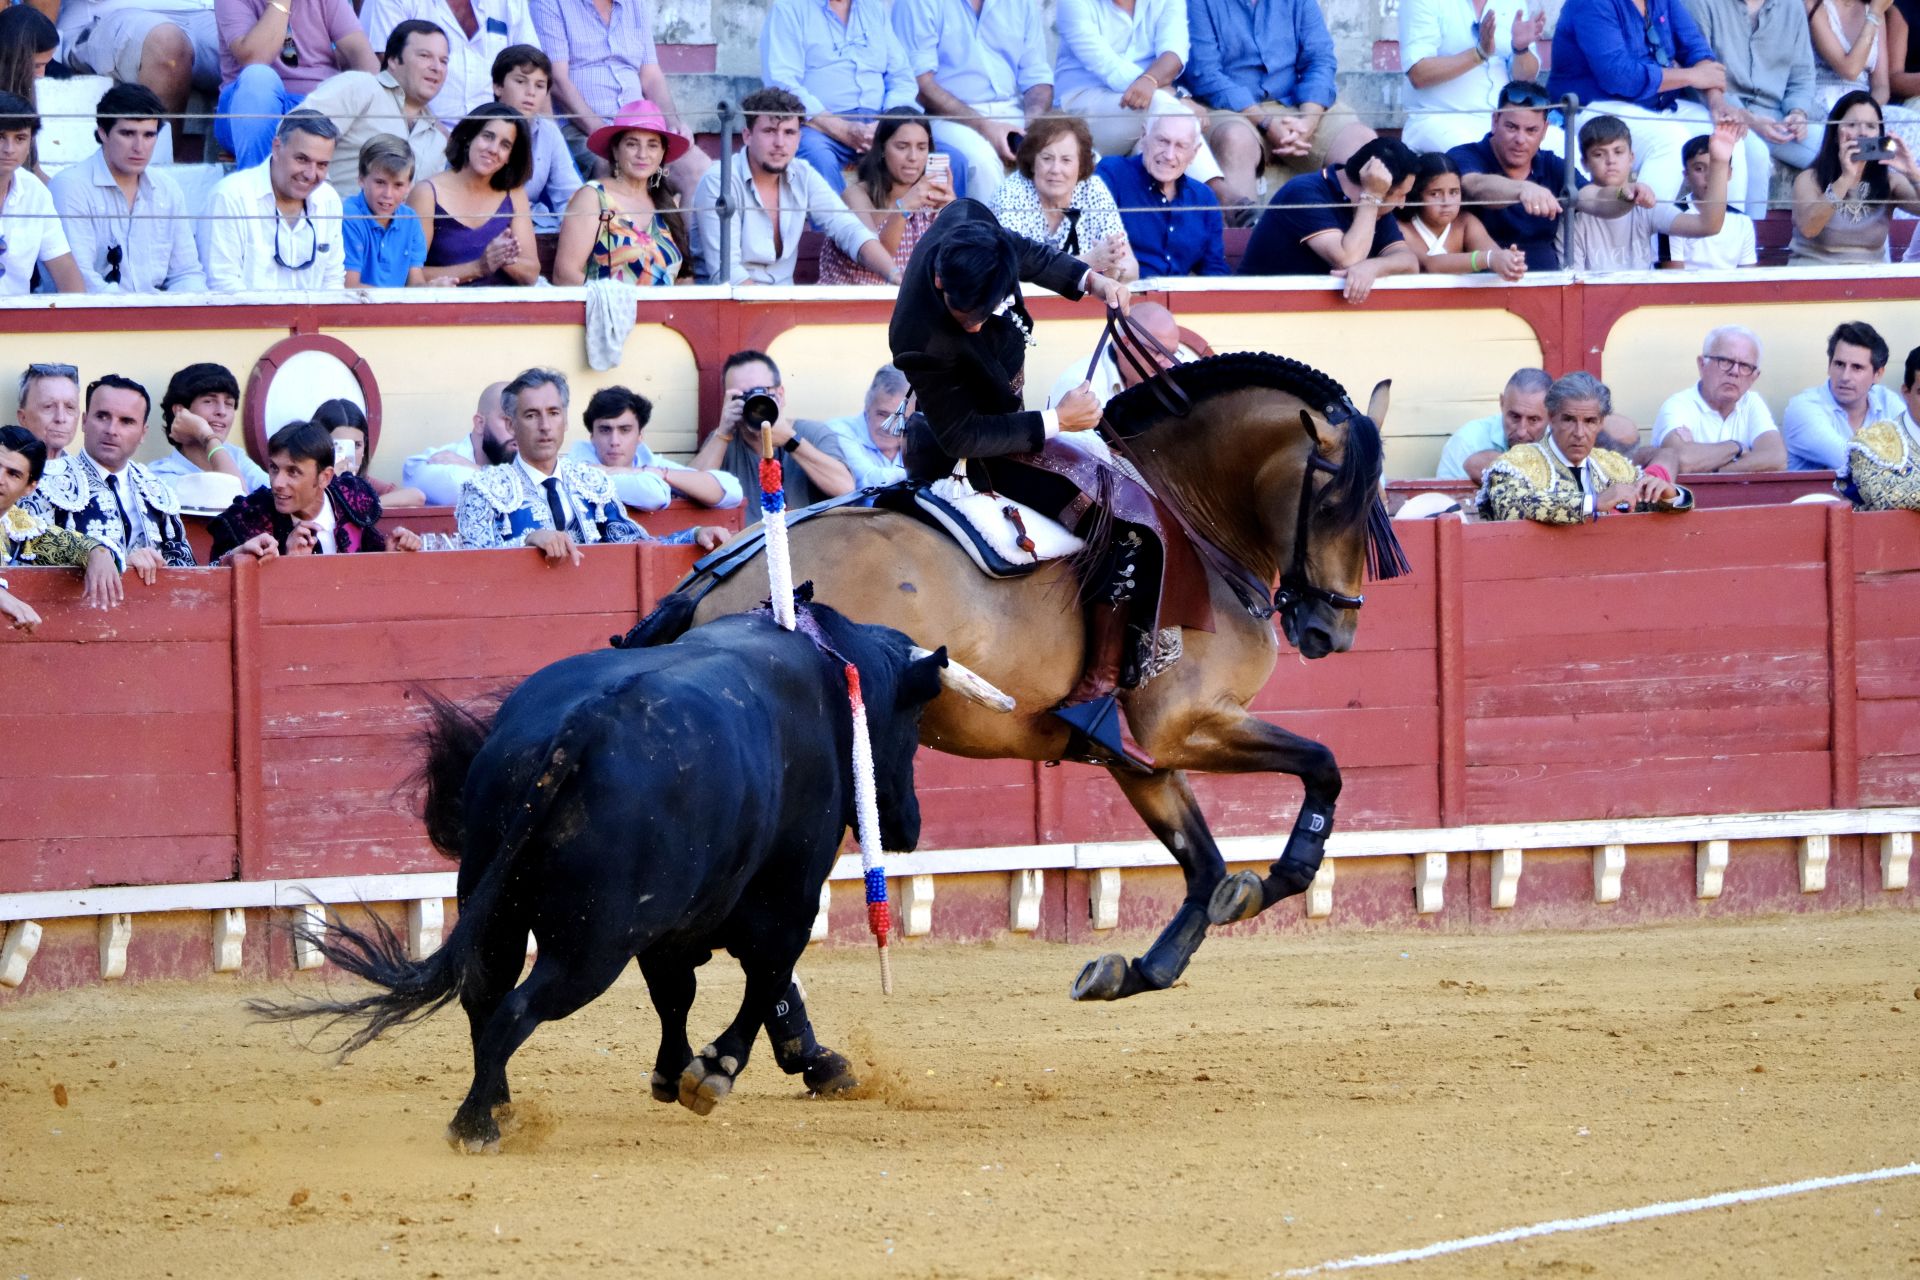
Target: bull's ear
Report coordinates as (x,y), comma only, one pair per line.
(921,682)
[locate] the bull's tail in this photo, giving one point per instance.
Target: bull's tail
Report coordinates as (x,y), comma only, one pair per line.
(414,989)
(451,738)
(669,620)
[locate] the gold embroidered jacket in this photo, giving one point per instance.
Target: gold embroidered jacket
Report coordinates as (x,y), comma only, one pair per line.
(30,541)
(1885,472)
(1524,484)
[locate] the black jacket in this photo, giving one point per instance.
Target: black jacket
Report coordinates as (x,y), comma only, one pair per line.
(969,384)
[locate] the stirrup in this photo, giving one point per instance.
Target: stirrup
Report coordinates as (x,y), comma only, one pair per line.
(1100,732)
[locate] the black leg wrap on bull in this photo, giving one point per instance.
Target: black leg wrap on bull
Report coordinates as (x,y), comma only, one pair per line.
(1167,958)
(1307,844)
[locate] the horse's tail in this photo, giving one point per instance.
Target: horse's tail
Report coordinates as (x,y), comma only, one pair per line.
(411,990)
(670,620)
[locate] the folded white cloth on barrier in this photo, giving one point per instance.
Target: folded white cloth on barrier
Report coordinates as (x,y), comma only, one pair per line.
(612,306)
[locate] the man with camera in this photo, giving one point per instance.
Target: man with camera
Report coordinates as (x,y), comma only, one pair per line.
(813,464)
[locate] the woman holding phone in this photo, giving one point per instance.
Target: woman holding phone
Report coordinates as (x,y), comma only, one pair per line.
(900,186)
(1844,204)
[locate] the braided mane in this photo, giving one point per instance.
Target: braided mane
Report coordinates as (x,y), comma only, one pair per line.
(1354,494)
(1137,408)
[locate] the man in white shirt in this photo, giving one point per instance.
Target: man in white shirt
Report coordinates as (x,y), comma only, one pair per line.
(983,75)
(1116,68)
(1720,423)
(616,418)
(170,46)
(773,193)
(480,30)
(440,471)
(276,227)
(1822,419)
(30,231)
(875,438)
(1457,60)
(127,224)
(395,100)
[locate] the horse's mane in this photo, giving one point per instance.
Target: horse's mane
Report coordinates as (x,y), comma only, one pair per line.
(1138,407)
(1353,495)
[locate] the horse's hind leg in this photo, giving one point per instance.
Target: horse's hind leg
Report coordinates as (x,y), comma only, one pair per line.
(1255,746)
(1166,803)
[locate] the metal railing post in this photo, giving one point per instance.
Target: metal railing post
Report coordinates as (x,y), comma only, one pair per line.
(724,208)
(1570,119)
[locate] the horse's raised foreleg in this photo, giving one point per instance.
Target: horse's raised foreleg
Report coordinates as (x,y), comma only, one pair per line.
(1166,803)
(1256,746)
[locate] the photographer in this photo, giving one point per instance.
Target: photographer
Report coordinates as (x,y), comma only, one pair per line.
(814,464)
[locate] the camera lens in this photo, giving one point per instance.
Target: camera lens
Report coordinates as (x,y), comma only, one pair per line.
(758,407)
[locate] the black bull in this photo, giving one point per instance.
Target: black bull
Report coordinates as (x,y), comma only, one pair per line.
(653,803)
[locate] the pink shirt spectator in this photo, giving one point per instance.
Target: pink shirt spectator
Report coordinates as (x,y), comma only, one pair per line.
(315,25)
(603,57)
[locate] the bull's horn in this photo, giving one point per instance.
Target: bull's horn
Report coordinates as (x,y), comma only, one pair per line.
(968,685)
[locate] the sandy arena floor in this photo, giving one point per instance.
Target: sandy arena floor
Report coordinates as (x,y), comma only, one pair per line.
(1296,1101)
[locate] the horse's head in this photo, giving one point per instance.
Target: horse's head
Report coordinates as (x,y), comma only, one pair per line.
(1339,529)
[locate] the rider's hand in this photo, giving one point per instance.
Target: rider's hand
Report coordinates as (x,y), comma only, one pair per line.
(1109,291)
(1078,410)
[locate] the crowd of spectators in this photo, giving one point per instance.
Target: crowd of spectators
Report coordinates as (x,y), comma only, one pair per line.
(1531,458)
(1155,127)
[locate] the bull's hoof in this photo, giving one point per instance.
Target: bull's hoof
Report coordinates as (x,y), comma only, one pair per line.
(829,1074)
(1102,979)
(707,1079)
(474,1137)
(1241,896)
(663,1087)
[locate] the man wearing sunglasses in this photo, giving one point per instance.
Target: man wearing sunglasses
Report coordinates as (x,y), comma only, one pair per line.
(1720,423)
(128,224)
(276,227)
(1514,181)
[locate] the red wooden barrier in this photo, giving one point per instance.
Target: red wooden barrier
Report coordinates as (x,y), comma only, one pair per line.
(256,722)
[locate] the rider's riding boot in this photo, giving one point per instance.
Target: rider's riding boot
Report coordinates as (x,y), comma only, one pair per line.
(1092,708)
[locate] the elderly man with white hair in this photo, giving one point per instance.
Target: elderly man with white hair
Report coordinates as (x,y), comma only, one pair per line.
(1720,423)
(1173,221)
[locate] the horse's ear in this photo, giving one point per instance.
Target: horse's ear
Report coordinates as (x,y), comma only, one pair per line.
(1377,402)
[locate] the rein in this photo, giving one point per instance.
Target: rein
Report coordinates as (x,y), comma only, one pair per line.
(1384,557)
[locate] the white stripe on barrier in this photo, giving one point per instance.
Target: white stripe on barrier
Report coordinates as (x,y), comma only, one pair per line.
(410,886)
(1611,1218)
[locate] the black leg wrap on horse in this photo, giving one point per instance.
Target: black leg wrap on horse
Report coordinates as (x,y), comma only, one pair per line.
(1167,958)
(794,1045)
(1307,844)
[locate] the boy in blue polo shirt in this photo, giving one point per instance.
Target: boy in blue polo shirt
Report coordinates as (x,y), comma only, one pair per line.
(385,246)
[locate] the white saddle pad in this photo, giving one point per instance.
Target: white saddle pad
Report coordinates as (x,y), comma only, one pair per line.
(986,514)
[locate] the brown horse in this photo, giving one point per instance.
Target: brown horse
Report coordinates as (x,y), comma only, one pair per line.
(1272,464)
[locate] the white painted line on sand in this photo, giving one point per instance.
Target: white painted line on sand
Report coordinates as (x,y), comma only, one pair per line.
(1611,1218)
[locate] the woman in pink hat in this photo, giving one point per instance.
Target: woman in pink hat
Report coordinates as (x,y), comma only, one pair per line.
(627,226)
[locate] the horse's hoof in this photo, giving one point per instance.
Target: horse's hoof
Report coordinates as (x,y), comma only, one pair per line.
(829,1074)
(663,1088)
(706,1081)
(1102,979)
(1241,896)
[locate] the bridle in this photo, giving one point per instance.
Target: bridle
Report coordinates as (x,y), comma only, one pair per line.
(1296,585)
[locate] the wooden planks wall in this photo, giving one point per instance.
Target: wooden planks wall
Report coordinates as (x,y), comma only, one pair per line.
(1886,561)
(258,722)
